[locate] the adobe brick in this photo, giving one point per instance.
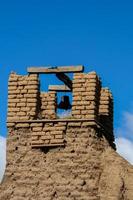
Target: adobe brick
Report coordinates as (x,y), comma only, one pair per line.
(21,113)
(31,100)
(36,124)
(22,125)
(31,104)
(24,82)
(37,129)
(21,104)
(56,141)
(15,83)
(13,100)
(33,82)
(32,91)
(30,95)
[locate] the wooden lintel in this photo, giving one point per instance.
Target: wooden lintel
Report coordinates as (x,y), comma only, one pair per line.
(49,70)
(47,145)
(65,79)
(59,88)
(92,121)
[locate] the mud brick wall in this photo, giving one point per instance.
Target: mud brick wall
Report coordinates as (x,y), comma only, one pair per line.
(46,134)
(48,105)
(66,173)
(23,94)
(90,101)
(106,110)
(50,159)
(86,94)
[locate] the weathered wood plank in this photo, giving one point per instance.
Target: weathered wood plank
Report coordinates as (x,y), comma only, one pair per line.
(47,145)
(65,79)
(59,88)
(48,70)
(56,120)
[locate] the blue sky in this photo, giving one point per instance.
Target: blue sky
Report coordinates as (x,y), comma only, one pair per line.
(97,34)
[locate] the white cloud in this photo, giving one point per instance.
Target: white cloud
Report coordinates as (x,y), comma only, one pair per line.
(124,140)
(126,129)
(125,148)
(128,118)
(2,156)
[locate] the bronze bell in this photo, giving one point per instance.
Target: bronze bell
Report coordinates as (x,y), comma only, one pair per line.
(65,103)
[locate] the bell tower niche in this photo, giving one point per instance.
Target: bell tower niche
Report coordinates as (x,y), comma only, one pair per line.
(77,101)
(57,101)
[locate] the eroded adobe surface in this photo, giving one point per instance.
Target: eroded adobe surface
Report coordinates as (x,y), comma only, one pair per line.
(72,158)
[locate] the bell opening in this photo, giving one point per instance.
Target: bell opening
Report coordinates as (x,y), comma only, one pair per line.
(64,105)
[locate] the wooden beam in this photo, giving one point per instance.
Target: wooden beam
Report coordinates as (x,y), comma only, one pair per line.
(58,120)
(49,70)
(65,79)
(47,145)
(59,88)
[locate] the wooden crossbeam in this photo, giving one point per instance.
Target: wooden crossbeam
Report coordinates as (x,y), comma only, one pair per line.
(58,120)
(65,79)
(46,145)
(50,70)
(59,88)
